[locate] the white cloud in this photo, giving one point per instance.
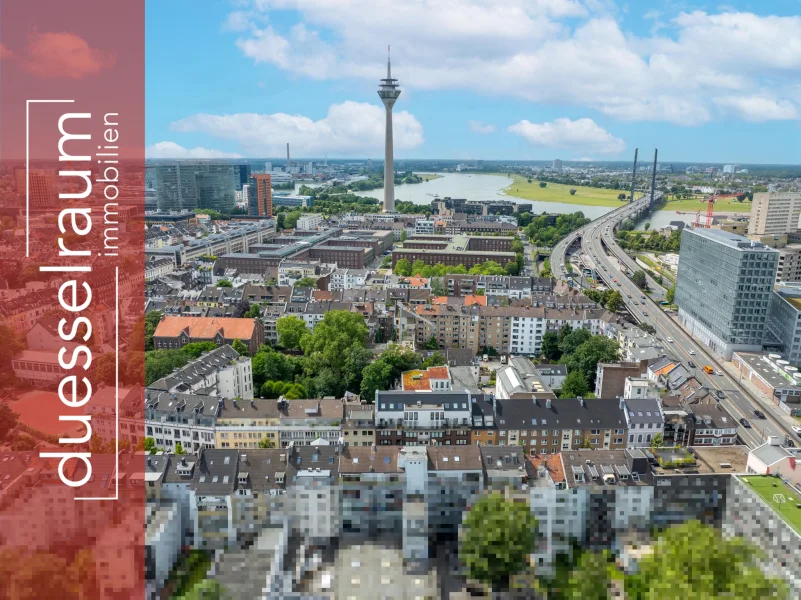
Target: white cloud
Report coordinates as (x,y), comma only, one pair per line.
(348,129)
(757,108)
(173,150)
(583,135)
(481,127)
(548,51)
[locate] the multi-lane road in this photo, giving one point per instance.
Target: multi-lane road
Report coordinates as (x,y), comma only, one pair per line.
(599,248)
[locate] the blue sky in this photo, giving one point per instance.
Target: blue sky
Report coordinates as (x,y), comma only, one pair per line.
(522,79)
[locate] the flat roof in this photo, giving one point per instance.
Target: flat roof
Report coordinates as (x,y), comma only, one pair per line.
(782,498)
(759,365)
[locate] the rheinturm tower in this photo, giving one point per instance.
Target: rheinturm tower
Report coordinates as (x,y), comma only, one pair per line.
(388,91)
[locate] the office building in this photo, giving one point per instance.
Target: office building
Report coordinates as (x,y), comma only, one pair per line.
(456,250)
(261,195)
(784,320)
(310,222)
(388,92)
(41,186)
(242,175)
(775,213)
(556,165)
(216,186)
(176,187)
(723,289)
(730,169)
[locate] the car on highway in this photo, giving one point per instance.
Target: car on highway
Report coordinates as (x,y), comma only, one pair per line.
(759,414)
(789,443)
(642,297)
(797,430)
(691,364)
(708,370)
(720,373)
(745,423)
(670,340)
(644,314)
(692,353)
(720,394)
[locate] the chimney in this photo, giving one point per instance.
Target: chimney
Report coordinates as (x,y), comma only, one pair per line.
(548,403)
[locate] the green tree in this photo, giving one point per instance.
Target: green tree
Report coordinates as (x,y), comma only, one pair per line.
(497,537)
(574,386)
(290,330)
(280,221)
(403,235)
(587,356)
(254,312)
(240,347)
(291,219)
(8,421)
(355,363)
(431,343)
(150,445)
(306,282)
(638,277)
(647,226)
(542,184)
(590,579)
(614,301)
(403,268)
(656,441)
(151,321)
(550,346)
(266,443)
(572,192)
(438,287)
(573,339)
(224,283)
(195,349)
(671,294)
(377,376)
(207,589)
(435,360)
(179,448)
(647,328)
(695,562)
(329,344)
(160,363)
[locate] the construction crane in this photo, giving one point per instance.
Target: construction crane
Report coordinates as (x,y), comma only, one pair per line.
(709,207)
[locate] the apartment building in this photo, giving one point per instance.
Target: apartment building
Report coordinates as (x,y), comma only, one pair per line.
(188,419)
(521,380)
(644,421)
(310,222)
(221,372)
(177,332)
(553,425)
(775,213)
(507,329)
(429,419)
(714,426)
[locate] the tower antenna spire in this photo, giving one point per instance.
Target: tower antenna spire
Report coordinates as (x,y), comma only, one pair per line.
(389,76)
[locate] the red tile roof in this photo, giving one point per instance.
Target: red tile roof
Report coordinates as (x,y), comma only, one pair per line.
(206,327)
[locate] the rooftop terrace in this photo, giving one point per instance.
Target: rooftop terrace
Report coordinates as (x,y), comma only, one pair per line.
(785,500)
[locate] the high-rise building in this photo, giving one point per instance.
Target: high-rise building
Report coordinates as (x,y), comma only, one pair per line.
(784,320)
(260,195)
(41,186)
(775,213)
(388,92)
(243,175)
(216,186)
(556,165)
(723,289)
(176,186)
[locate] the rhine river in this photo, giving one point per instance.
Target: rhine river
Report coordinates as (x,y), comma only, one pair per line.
(490,187)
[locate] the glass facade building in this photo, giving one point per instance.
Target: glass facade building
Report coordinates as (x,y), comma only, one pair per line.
(724,288)
(191,185)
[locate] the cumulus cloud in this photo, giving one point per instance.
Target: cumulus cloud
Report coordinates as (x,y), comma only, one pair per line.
(173,150)
(481,127)
(64,55)
(757,109)
(583,135)
(563,52)
(348,129)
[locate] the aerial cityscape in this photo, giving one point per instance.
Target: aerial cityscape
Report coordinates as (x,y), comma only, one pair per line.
(493,334)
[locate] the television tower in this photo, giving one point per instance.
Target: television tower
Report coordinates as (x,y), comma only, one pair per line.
(388,92)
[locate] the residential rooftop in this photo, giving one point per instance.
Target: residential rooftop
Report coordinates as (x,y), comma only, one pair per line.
(782,498)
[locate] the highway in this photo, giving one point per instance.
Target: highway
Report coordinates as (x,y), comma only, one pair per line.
(598,244)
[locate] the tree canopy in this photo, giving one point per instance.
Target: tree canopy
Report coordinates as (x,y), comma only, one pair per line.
(497,537)
(574,386)
(291,330)
(540,233)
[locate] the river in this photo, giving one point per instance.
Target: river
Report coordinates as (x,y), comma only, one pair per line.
(477,187)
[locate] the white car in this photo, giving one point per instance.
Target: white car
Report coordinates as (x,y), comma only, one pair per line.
(692,352)
(670,340)
(797,429)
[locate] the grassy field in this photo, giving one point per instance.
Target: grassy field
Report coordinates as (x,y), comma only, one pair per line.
(429,176)
(722,205)
(557,192)
(780,497)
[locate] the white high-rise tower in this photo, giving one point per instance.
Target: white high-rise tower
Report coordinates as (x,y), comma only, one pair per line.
(388,92)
